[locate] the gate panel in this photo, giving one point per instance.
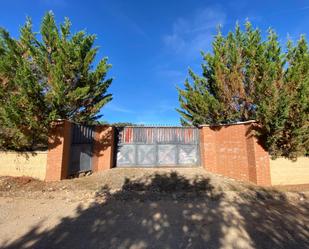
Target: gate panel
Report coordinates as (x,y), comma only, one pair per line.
(167,154)
(126,155)
(146,155)
(158,146)
(81,149)
(188,154)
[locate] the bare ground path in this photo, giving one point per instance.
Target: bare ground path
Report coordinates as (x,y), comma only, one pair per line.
(148,208)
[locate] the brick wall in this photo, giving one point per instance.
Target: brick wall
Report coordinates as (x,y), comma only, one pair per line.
(232,151)
(229,150)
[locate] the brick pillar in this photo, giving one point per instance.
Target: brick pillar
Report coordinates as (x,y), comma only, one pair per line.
(251,158)
(262,164)
(58,156)
(103,148)
(258,160)
(208,149)
(233,151)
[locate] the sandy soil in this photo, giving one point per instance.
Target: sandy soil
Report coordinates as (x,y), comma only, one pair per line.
(148,208)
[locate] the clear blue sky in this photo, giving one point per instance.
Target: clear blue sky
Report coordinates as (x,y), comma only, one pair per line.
(151,43)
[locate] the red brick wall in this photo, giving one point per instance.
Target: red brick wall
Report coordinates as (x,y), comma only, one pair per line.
(103,149)
(58,156)
(232,151)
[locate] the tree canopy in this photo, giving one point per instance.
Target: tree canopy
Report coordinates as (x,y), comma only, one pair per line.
(246,77)
(46,76)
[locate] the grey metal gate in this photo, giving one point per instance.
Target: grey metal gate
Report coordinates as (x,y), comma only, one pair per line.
(81,148)
(158,146)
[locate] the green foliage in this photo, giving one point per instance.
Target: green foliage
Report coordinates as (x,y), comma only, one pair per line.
(246,78)
(48,77)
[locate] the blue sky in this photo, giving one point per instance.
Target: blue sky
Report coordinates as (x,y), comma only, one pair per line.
(151,44)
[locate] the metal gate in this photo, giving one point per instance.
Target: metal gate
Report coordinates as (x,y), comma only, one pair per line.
(158,146)
(81,149)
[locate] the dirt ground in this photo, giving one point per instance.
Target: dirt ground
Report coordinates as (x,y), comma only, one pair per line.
(151,208)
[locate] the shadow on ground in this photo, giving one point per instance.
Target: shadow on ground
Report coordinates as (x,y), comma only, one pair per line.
(170,211)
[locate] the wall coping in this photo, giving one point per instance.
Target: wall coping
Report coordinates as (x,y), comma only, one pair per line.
(24,152)
(236,123)
(304,157)
(73,122)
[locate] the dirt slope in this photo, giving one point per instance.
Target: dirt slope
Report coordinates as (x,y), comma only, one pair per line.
(148,208)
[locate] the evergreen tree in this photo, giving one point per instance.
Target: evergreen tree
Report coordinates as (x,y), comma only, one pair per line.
(48,77)
(246,78)
(296,135)
(271,99)
(225,93)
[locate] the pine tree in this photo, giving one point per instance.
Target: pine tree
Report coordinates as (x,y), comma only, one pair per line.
(296,134)
(225,93)
(272,100)
(48,77)
(247,78)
